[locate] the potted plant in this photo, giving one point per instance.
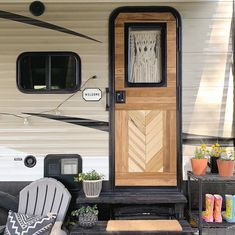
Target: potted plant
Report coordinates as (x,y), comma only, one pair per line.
(226,164)
(91,183)
(87,216)
(216,151)
(199,162)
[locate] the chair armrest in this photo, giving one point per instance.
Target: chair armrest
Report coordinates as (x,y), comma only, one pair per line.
(2,228)
(8,201)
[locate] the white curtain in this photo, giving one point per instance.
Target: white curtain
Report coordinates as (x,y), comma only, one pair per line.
(145,56)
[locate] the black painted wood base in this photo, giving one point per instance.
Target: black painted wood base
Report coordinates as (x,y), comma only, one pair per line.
(100,229)
(175,201)
(135,198)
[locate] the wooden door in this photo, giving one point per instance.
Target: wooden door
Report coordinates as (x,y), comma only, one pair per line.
(145,113)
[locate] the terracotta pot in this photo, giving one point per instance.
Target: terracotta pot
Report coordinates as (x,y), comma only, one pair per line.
(199,166)
(226,168)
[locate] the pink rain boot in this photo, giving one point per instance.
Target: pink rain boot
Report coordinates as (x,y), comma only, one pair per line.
(217,208)
(207,215)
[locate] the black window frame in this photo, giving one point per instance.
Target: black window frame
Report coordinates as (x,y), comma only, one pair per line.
(48,55)
(146,26)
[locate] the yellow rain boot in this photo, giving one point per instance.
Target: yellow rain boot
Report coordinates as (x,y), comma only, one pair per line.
(207,215)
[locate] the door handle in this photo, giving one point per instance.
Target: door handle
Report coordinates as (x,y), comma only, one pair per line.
(107,99)
(120,97)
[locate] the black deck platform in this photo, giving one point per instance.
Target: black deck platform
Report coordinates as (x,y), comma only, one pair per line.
(146,198)
(100,229)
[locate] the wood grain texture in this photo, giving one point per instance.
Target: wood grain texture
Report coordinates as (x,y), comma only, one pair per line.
(142,179)
(145,124)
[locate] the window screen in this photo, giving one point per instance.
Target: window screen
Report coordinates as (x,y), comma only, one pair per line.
(48,72)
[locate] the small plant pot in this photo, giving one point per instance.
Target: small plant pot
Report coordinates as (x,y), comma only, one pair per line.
(87,220)
(226,168)
(92,188)
(199,166)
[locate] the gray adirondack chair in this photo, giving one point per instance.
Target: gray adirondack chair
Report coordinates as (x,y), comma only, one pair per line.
(43,196)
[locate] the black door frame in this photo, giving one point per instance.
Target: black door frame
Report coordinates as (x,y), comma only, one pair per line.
(112,18)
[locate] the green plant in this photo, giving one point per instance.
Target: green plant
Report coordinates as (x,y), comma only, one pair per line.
(201,152)
(227,156)
(91,175)
(85,210)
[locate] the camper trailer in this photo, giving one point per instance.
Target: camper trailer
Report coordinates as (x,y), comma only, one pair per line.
(128,88)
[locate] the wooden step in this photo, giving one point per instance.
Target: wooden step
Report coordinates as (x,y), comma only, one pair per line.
(143,225)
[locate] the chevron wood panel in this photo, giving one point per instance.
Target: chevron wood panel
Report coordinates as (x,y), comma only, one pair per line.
(146,152)
(145,137)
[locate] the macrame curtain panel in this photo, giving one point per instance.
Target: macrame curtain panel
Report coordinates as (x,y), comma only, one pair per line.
(145,57)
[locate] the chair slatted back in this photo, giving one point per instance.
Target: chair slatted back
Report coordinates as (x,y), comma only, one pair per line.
(43,196)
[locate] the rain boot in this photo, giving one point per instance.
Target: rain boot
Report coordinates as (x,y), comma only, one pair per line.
(228,215)
(217,208)
(207,215)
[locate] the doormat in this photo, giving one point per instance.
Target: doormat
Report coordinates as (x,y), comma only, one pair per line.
(143,225)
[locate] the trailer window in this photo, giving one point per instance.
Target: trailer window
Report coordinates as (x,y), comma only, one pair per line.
(48,72)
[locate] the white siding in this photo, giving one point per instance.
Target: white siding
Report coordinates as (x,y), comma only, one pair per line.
(207,77)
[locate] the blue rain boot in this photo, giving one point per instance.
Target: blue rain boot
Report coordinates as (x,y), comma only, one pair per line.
(229,214)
